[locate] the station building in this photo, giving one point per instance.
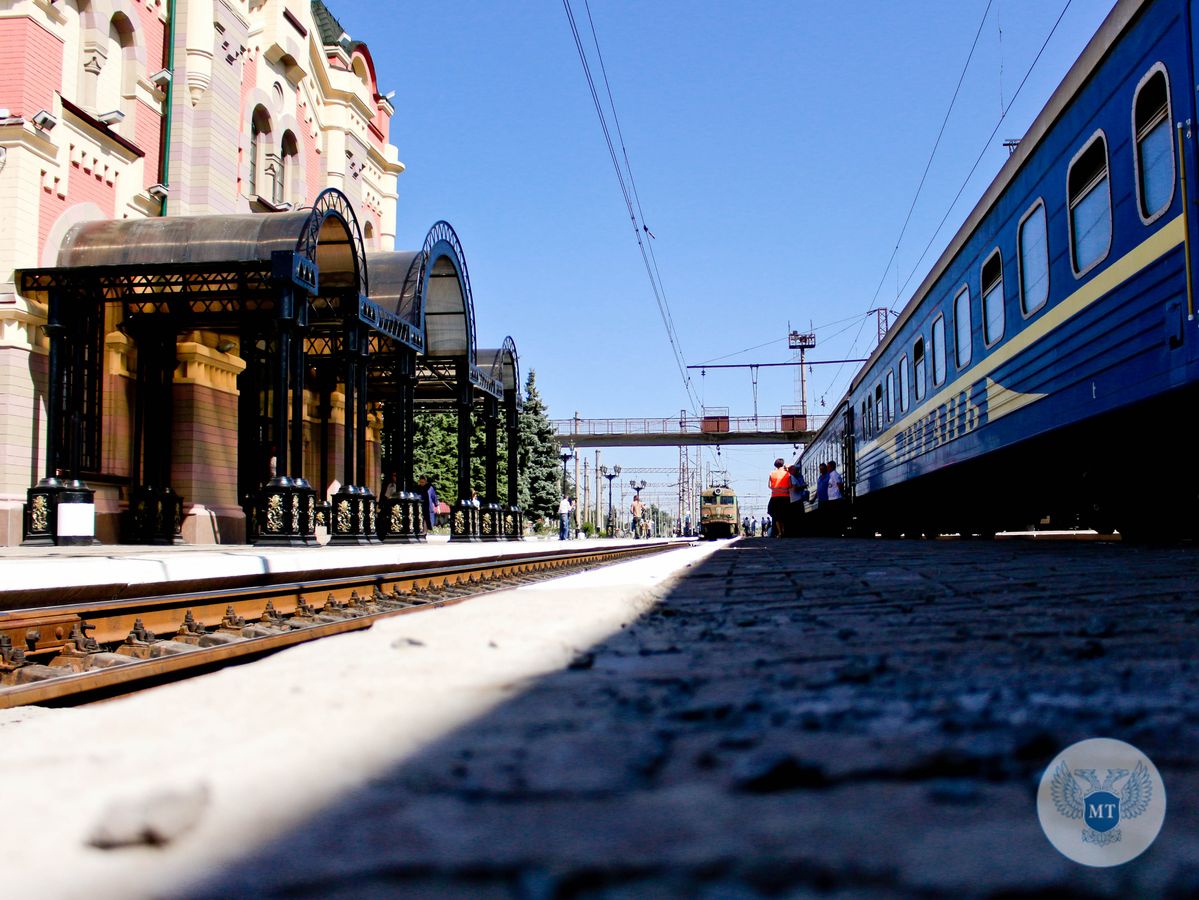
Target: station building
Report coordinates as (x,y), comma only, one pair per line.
(173,174)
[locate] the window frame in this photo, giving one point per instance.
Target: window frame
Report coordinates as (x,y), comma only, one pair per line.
(1028,214)
(879,422)
(1097,135)
(1158,66)
(957,350)
(905,386)
(916,381)
(938,349)
(889,394)
(982,299)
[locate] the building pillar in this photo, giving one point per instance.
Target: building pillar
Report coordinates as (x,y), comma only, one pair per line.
(514,524)
(60,510)
(491,524)
(401,518)
(351,520)
(464,520)
(155,513)
(280,501)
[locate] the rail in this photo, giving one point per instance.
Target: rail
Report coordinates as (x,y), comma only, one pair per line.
(60,648)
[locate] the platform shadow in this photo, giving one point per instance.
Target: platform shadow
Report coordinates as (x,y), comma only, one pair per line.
(821,716)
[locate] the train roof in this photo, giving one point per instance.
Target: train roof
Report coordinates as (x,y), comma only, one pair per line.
(1088,61)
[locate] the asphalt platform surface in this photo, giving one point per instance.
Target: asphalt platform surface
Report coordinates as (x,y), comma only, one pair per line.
(842,718)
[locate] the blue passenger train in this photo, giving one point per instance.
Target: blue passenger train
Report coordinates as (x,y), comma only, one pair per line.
(1049,363)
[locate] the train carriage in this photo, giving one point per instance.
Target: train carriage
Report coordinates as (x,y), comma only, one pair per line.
(1048,363)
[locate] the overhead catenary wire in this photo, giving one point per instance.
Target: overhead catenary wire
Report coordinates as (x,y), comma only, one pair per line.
(624,177)
(953,203)
(986,145)
(932,153)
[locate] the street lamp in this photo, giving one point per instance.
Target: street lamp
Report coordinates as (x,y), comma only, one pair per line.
(566,456)
(614,474)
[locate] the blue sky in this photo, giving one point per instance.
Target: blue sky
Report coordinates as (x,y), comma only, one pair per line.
(776,149)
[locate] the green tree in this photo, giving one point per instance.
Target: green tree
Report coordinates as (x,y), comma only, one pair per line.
(435,452)
(540,467)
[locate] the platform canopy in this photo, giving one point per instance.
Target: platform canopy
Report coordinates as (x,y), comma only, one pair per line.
(503,365)
(210,271)
(428,290)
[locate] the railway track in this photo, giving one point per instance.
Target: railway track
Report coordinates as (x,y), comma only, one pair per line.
(72,645)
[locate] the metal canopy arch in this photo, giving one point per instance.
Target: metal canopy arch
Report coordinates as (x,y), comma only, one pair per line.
(448,307)
(503,365)
(428,292)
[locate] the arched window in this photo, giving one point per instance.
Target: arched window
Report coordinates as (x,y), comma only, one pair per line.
(260,129)
(938,343)
(992,287)
(1034,259)
(285,184)
(918,367)
(1154,144)
(368,235)
(113,68)
(1089,192)
(962,327)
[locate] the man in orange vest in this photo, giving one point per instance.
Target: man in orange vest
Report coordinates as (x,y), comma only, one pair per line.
(780,496)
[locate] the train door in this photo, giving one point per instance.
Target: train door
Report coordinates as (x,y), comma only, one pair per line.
(849,473)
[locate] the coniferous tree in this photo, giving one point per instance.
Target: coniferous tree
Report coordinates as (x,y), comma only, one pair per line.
(540,468)
(435,452)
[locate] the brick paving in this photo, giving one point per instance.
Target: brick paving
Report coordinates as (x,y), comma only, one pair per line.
(800,718)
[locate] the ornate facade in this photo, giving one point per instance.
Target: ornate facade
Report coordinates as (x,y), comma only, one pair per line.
(133,109)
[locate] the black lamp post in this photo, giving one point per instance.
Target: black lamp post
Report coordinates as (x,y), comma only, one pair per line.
(566,456)
(615,473)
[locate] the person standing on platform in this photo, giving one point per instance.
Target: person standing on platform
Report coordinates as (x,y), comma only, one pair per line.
(836,499)
(428,495)
(798,497)
(780,496)
(564,519)
(635,513)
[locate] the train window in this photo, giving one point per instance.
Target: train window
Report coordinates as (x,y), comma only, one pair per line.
(1089,192)
(878,407)
(992,282)
(962,344)
(918,367)
(865,422)
(890,394)
(938,340)
(1154,144)
(905,397)
(1033,259)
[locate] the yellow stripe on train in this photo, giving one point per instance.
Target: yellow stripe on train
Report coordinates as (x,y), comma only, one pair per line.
(1143,255)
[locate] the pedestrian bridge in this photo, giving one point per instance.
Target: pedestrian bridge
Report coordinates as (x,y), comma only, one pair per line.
(687,430)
